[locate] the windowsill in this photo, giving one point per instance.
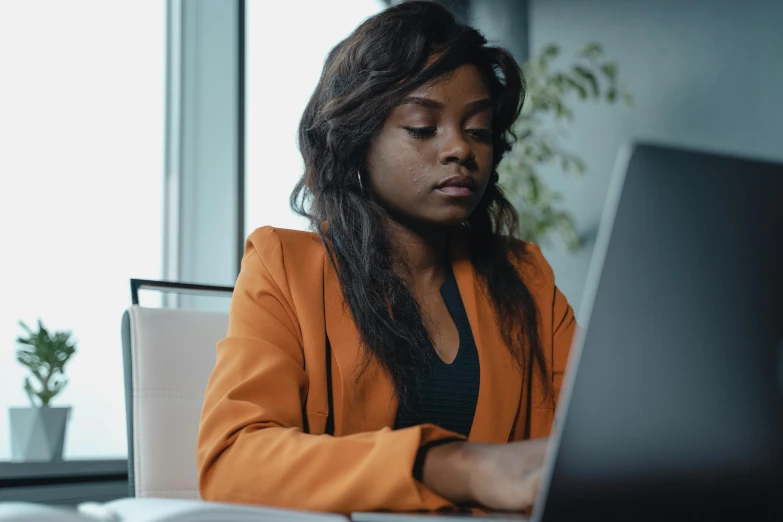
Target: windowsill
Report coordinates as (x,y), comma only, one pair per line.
(67,482)
(67,470)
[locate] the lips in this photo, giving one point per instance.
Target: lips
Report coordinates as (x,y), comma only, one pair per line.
(457,186)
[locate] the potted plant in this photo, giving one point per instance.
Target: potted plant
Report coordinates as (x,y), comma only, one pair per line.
(38,432)
(550,90)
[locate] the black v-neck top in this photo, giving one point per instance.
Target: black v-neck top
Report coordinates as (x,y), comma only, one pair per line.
(447,395)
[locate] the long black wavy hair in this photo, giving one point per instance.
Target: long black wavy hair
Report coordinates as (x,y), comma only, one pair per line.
(364,77)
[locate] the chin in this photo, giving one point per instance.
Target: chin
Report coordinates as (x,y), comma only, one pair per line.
(452,217)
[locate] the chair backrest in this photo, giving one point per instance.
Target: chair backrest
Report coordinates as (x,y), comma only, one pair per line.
(168,357)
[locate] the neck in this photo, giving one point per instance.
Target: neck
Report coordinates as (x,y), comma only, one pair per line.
(420,255)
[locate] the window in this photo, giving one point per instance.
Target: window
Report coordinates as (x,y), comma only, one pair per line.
(81,134)
(287,43)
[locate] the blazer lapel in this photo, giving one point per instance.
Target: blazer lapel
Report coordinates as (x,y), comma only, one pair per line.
(368,404)
(500,388)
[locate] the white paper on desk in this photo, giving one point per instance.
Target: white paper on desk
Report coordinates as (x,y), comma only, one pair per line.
(182,510)
(30,512)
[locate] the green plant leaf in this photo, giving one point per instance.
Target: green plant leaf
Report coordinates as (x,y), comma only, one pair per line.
(592,50)
(56,388)
(42,330)
(589,77)
(549,52)
(562,112)
(28,388)
(26,328)
(578,87)
(610,70)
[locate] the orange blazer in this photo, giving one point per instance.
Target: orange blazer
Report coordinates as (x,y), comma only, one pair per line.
(261,439)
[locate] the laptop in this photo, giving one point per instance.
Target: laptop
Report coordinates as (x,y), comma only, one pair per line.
(672,405)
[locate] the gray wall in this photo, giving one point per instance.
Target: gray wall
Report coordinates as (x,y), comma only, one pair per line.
(706,74)
(504,23)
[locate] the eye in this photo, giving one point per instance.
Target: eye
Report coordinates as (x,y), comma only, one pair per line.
(421,133)
(482,135)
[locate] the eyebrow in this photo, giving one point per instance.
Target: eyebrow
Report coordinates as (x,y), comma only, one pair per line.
(472,107)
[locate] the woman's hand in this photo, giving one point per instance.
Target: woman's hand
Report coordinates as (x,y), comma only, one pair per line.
(501,477)
(506,477)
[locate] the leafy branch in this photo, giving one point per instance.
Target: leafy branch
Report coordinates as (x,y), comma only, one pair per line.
(550,92)
(45,355)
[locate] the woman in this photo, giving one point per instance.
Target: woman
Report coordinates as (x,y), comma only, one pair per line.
(408,355)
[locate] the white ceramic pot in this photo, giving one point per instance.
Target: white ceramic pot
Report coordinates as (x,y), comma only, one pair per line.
(38,434)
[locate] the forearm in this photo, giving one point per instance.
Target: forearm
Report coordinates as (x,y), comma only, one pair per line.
(447,470)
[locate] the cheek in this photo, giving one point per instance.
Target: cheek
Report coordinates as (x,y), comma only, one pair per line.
(485,159)
(485,155)
(401,166)
(418,173)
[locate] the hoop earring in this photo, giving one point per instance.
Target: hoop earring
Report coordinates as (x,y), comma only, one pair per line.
(359,177)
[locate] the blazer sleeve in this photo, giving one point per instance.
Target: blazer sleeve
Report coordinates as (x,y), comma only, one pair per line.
(563,330)
(563,324)
(251,445)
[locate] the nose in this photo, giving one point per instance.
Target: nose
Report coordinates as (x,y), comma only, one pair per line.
(455,149)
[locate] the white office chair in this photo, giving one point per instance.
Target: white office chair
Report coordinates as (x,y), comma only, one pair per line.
(168,355)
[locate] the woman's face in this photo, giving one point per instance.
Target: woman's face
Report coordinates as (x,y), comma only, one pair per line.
(431,161)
